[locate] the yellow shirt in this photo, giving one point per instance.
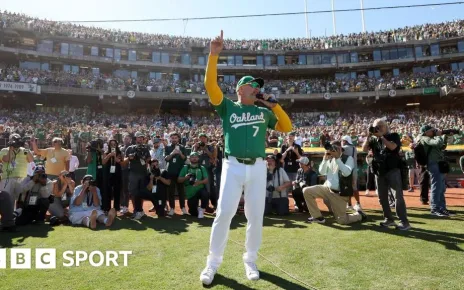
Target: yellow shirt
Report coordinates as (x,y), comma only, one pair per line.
(17,168)
(56,160)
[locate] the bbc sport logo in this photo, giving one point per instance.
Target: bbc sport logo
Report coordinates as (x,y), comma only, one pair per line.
(21,258)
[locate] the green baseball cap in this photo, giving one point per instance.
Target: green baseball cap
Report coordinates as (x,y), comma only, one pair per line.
(425,128)
(194,154)
(203,135)
(248,80)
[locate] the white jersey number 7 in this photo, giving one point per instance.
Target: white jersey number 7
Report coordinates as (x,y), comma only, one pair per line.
(256,130)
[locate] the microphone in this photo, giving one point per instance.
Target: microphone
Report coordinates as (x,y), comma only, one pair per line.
(271,99)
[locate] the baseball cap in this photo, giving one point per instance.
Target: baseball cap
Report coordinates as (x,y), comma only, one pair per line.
(292,134)
(425,128)
(194,154)
(39,168)
(249,79)
(156,140)
(347,139)
(203,135)
(139,134)
(303,160)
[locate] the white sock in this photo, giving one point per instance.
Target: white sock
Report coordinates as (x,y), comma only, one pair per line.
(105,220)
(88,222)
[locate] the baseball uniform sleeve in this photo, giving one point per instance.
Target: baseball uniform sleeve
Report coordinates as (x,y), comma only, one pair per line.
(214,91)
(284,124)
(272,120)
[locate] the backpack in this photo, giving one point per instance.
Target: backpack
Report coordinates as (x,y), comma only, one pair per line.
(420,155)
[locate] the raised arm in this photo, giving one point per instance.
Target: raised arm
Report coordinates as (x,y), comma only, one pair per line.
(211,85)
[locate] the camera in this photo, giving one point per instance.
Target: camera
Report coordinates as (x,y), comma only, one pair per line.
(192,179)
(450,131)
(329,147)
(140,151)
(373,129)
(270,188)
(92,183)
(93,146)
(156,172)
(16,142)
(202,144)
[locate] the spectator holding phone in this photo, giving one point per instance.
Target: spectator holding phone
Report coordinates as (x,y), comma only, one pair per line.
(63,189)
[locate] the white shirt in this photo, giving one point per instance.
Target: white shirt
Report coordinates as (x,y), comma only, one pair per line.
(298,140)
(330,169)
(73,163)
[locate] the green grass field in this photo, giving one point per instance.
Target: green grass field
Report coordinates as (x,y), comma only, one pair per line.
(170,254)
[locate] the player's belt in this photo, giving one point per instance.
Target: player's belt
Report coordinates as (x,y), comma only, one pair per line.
(246,161)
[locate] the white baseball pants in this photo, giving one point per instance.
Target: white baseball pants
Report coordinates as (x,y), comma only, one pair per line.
(236,178)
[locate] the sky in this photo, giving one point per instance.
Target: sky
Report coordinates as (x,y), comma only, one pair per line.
(241,28)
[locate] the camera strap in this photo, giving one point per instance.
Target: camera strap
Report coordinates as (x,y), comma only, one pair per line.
(278,180)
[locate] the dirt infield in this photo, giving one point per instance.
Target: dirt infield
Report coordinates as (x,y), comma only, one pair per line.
(454,197)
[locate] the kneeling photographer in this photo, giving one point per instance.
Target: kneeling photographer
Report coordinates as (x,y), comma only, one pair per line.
(195,178)
(305,176)
(337,189)
(433,142)
(157,182)
(34,202)
(277,187)
(386,165)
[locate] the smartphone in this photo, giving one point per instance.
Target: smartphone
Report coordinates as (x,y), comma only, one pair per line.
(113,150)
(177,148)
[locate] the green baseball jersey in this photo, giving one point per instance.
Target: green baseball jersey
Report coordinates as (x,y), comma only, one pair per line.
(245,128)
(315,141)
(41,133)
(354,139)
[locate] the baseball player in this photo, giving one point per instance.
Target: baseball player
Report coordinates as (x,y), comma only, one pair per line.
(244,167)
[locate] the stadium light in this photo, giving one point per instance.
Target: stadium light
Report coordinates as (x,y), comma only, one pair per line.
(412,104)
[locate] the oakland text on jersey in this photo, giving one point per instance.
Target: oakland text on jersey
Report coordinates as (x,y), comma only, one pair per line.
(246,119)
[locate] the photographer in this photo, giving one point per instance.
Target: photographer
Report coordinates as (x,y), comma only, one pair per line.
(175,158)
(195,178)
(337,189)
(434,142)
(84,208)
(155,191)
(63,189)
(137,156)
(291,152)
(208,158)
(386,164)
(36,198)
(15,160)
(57,157)
(6,212)
(125,176)
(305,177)
(112,176)
(95,161)
(350,149)
(276,187)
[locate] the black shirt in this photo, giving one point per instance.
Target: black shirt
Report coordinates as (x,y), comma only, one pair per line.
(290,164)
(137,165)
(161,188)
(391,157)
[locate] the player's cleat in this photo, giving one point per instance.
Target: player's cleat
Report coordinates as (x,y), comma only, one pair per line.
(200,213)
(184,211)
(251,270)
(171,212)
(207,275)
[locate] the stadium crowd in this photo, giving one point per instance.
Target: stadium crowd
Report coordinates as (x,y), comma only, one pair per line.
(418,32)
(362,83)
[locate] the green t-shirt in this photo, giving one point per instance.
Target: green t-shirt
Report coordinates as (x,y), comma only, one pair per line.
(245,128)
(315,141)
(176,163)
(41,134)
(354,139)
(200,173)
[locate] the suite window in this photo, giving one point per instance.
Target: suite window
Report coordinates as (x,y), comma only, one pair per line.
(45,66)
(94,51)
(117,54)
(96,71)
(132,55)
(65,48)
(45,46)
(76,49)
(109,52)
(461,46)
(328,59)
(66,68)
(29,65)
(354,57)
(259,60)
(231,60)
(435,49)
(418,51)
(302,59)
(186,58)
(238,60)
(343,58)
(396,72)
(280,60)
(201,60)
(156,57)
(385,54)
(394,53)
(353,75)
(164,58)
(134,74)
(377,55)
(267,60)
(143,55)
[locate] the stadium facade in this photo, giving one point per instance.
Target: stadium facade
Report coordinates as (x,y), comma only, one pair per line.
(29,49)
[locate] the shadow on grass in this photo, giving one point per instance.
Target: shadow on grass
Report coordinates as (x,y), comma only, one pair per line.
(279,281)
(231,283)
(24,232)
(449,240)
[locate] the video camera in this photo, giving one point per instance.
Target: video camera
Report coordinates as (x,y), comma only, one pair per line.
(141,151)
(94,145)
(192,178)
(330,147)
(451,131)
(16,142)
(374,129)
